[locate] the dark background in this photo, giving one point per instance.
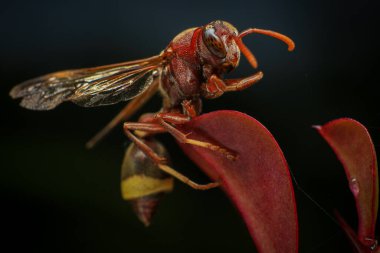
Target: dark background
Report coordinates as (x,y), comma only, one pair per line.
(56,196)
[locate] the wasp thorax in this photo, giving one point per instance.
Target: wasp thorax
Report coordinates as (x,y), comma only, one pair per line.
(142,182)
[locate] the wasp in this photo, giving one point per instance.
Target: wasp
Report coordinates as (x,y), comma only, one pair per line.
(189,69)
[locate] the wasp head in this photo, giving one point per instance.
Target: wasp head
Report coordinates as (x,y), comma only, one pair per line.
(223,44)
(222,51)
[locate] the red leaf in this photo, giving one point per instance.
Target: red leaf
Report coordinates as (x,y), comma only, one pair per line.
(257,182)
(353,146)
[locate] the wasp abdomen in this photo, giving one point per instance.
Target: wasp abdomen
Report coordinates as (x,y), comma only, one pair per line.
(142,182)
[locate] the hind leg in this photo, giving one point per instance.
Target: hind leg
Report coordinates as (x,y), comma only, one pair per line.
(154,128)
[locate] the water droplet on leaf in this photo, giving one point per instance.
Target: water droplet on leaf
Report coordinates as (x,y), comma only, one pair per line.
(354,186)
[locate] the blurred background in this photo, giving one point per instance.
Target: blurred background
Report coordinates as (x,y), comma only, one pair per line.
(56,196)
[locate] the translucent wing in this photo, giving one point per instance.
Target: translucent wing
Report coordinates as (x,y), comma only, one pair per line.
(89,87)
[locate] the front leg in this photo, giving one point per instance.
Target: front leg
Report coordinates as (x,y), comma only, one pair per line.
(215,87)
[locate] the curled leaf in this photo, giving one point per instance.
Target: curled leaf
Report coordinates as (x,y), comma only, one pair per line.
(353,146)
(257,182)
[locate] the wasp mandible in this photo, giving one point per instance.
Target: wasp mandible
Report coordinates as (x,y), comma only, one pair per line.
(190,68)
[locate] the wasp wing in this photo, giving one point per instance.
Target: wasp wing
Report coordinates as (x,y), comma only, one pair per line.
(89,87)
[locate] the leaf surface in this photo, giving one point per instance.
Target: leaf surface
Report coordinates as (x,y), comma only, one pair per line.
(258,182)
(353,146)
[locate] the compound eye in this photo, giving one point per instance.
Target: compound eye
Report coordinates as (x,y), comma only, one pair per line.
(213,42)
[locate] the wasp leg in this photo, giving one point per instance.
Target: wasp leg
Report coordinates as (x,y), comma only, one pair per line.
(144,148)
(178,119)
(181,137)
(186,180)
(215,87)
(142,129)
(152,128)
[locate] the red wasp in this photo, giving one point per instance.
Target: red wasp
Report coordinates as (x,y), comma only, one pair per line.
(189,69)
